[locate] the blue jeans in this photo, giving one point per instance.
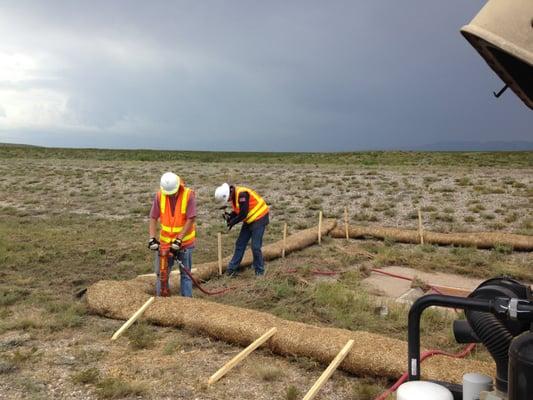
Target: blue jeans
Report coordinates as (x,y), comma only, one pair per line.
(255,231)
(185,256)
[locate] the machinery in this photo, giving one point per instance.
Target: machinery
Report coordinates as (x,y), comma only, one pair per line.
(502,33)
(163,271)
(499,314)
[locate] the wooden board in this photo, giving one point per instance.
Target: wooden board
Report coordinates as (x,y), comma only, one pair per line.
(241,356)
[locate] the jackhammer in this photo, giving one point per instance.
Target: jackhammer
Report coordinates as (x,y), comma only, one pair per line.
(226,216)
(163,272)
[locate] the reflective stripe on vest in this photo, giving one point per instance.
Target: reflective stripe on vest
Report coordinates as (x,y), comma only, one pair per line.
(184,241)
(257,207)
(172,224)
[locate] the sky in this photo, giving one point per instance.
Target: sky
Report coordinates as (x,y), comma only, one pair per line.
(249,76)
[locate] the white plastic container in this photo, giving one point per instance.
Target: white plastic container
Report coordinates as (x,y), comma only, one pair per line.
(473,384)
(422,390)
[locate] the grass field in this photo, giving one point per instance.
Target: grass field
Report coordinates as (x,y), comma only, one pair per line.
(69,218)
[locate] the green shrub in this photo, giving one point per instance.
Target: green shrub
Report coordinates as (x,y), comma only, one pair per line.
(20,357)
(366,390)
(469,218)
(89,375)
(10,297)
(464,181)
(268,373)
(487,216)
(428,248)
(503,249)
(140,335)
(292,393)
(114,388)
(172,346)
(510,218)
(70,316)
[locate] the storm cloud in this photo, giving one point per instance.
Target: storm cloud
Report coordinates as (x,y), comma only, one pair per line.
(248,75)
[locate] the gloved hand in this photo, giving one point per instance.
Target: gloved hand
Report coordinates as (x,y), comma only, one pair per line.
(153,244)
(175,246)
(226,217)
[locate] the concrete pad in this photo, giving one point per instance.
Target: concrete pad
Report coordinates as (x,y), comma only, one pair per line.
(393,287)
(411,296)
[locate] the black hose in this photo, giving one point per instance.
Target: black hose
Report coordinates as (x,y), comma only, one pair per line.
(496,338)
(496,334)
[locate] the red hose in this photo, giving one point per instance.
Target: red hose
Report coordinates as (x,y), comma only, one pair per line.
(205,291)
(327,273)
(380,271)
(426,354)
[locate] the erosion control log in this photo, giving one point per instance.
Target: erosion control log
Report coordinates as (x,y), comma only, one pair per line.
(372,354)
(481,240)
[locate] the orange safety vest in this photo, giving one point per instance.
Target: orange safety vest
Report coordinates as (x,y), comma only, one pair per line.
(173,223)
(257,207)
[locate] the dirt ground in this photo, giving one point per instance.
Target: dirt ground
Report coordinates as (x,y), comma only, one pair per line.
(175,366)
(67,223)
(452,199)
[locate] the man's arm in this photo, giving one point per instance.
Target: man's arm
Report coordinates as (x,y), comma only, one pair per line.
(243,200)
(154,216)
(152,228)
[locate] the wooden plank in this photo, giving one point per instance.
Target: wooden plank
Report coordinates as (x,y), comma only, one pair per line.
(219,239)
(329,370)
(346,222)
(241,356)
(133,318)
(452,291)
(284,240)
(319,227)
(420,227)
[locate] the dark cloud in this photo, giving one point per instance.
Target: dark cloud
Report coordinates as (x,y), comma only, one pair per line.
(250,75)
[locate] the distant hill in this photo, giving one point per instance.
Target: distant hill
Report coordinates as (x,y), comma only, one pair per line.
(17,145)
(362,158)
(477,146)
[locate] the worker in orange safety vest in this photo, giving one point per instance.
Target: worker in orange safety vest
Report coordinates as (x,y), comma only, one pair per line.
(250,209)
(174,206)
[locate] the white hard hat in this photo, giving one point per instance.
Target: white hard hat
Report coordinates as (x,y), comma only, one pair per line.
(222,192)
(170,183)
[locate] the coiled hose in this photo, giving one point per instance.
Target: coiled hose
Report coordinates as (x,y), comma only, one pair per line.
(497,339)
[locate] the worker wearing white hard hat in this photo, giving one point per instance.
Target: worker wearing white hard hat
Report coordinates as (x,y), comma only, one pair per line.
(174,207)
(250,209)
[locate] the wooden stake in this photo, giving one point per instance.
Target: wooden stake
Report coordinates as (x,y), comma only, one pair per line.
(329,371)
(284,240)
(420,228)
(219,237)
(242,355)
(133,318)
(319,227)
(346,222)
